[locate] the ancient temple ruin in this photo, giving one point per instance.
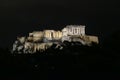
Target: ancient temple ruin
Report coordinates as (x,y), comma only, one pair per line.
(42,40)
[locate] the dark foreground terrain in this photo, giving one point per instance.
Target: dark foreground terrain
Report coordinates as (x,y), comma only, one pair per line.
(75,62)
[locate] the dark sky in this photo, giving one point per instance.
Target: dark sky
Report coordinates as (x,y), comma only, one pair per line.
(19,17)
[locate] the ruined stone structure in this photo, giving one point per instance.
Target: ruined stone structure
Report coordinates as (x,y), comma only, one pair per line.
(42,40)
(72,30)
(52,35)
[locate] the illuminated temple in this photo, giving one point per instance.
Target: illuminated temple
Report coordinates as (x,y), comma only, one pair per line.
(42,40)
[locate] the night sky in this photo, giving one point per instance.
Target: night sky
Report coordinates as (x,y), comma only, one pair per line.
(19,17)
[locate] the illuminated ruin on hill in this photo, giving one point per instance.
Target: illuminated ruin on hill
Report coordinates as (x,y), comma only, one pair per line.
(42,40)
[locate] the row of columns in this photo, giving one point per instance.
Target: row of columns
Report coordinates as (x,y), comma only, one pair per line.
(76,31)
(53,34)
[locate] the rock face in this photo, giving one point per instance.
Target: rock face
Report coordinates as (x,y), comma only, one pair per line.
(42,40)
